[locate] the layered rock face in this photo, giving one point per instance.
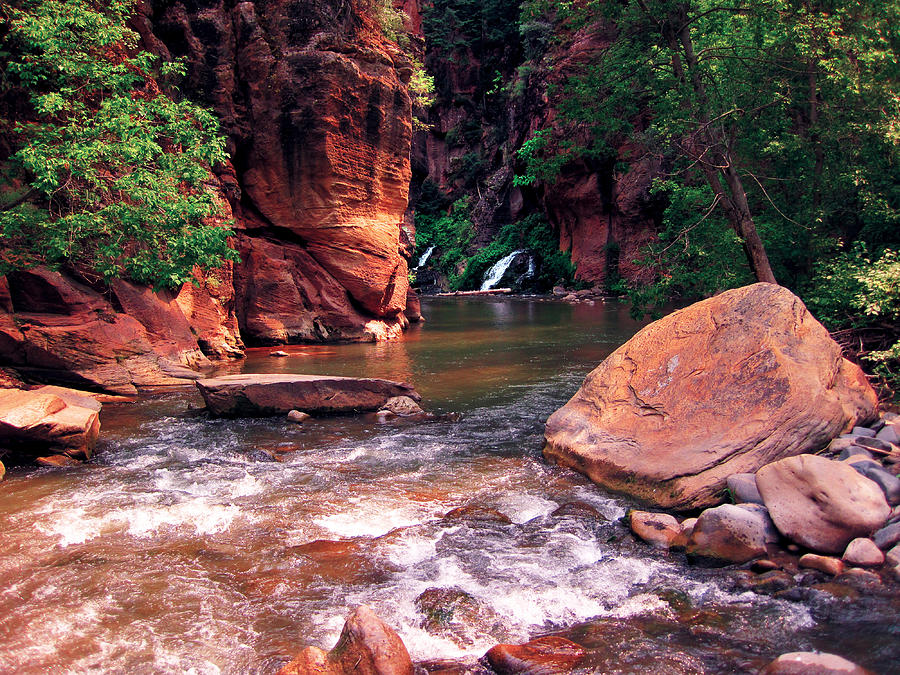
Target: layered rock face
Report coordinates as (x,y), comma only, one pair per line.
(724,386)
(314,102)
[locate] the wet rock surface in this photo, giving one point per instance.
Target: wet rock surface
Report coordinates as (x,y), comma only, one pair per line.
(33,423)
(254,395)
(643,423)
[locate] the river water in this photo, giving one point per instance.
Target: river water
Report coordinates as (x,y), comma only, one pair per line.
(190,545)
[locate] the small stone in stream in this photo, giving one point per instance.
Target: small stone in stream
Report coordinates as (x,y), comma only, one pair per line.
(812,663)
(888,482)
(660,530)
(766,565)
(862,431)
(57,461)
(887,537)
(384,415)
(839,445)
(773,581)
(728,533)
(543,655)
(772,533)
(403,406)
(854,451)
(822,563)
(578,510)
(298,416)
(366,645)
(874,444)
(864,553)
(2,470)
(892,557)
(259,455)
(860,577)
(477,513)
(279,354)
(743,488)
(889,434)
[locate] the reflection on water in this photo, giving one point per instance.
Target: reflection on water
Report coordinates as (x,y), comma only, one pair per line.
(225,546)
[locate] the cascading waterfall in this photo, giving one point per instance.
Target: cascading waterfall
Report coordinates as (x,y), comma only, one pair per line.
(425,257)
(495,274)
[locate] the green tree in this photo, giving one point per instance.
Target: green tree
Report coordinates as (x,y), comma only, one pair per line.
(774,119)
(110,174)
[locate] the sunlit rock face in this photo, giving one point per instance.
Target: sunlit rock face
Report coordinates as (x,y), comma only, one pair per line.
(724,386)
(314,101)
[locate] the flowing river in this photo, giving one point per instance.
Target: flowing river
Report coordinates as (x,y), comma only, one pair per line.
(190,545)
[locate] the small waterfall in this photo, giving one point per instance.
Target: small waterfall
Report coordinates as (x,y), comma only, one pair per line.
(495,274)
(425,257)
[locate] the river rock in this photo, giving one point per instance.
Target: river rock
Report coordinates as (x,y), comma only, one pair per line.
(821,503)
(888,482)
(660,530)
(771,532)
(742,487)
(892,557)
(644,421)
(298,416)
(887,537)
(367,646)
(544,656)
(60,422)
(851,451)
(402,406)
(812,663)
(257,395)
(822,563)
(728,533)
(863,553)
(2,471)
(889,434)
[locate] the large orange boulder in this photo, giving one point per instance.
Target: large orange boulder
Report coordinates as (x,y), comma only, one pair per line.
(367,646)
(35,422)
(724,386)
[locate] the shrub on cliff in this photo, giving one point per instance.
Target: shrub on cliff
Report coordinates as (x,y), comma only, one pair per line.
(108,173)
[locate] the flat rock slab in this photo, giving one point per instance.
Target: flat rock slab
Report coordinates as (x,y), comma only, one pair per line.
(252,395)
(53,419)
(724,386)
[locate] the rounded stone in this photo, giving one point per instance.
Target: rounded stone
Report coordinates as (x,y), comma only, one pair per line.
(821,503)
(298,416)
(863,553)
(812,663)
(660,530)
(742,487)
(728,533)
(822,563)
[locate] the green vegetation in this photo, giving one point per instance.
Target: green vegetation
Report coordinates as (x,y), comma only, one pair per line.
(109,174)
(450,231)
(776,126)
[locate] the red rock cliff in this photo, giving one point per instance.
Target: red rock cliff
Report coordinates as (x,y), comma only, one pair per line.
(314,102)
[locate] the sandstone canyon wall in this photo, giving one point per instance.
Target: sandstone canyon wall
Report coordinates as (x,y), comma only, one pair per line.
(602,215)
(314,102)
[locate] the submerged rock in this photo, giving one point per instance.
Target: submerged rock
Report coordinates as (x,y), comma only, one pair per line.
(645,422)
(813,663)
(367,646)
(257,395)
(820,503)
(545,655)
(58,421)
